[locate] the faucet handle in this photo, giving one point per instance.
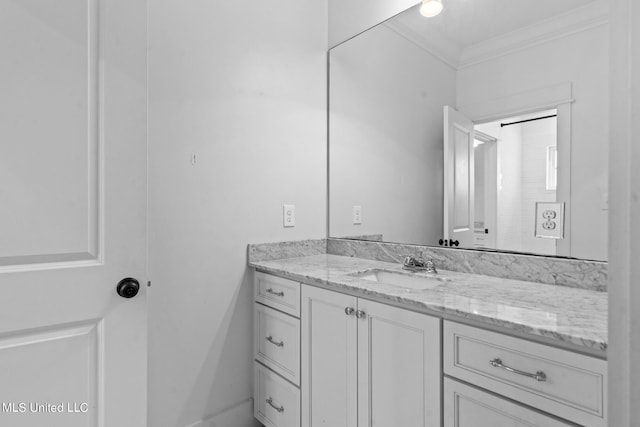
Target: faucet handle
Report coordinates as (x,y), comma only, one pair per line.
(409,260)
(430,266)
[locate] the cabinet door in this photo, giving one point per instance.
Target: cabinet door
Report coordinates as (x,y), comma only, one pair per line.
(329,359)
(466,406)
(399,377)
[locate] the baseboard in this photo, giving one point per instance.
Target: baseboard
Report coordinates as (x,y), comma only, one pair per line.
(239,415)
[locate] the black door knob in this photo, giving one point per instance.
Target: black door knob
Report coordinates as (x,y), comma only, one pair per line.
(128,288)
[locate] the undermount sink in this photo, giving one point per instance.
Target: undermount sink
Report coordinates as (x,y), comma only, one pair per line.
(414,281)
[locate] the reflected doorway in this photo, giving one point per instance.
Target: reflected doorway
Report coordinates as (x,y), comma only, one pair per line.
(515,162)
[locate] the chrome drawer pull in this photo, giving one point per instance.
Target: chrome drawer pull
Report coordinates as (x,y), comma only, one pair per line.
(278,294)
(538,376)
(277,408)
(277,344)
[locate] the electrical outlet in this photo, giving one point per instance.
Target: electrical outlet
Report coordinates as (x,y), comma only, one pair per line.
(549,220)
(289,215)
(357,215)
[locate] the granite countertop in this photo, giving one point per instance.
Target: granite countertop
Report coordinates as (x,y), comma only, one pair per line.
(576,317)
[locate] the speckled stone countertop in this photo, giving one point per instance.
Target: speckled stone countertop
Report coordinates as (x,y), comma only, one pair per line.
(576,318)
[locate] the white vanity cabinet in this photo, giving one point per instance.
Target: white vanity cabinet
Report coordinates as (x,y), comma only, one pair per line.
(367,364)
(276,348)
(466,406)
(325,358)
(562,383)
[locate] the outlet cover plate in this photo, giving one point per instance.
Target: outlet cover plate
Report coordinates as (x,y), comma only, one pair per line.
(549,220)
(357,215)
(289,215)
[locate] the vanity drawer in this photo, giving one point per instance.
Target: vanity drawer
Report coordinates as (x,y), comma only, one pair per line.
(569,385)
(466,406)
(277,341)
(276,402)
(279,293)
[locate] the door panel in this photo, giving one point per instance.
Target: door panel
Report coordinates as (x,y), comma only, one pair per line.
(398,367)
(63,362)
(458,177)
(73,217)
(329,359)
(49,129)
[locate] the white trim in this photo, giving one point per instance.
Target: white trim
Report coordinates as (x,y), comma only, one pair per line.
(593,15)
(481,136)
(551,182)
(587,17)
(519,103)
(21,268)
(624,214)
(238,415)
(442,49)
(564,144)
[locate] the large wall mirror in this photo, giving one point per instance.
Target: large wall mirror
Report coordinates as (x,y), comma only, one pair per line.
(483,127)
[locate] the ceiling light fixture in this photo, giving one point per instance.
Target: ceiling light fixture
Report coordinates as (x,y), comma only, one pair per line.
(430,8)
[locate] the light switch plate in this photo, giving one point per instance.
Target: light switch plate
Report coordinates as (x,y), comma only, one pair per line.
(357,215)
(549,220)
(289,215)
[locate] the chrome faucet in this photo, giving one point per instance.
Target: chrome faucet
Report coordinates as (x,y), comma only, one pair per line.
(418,264)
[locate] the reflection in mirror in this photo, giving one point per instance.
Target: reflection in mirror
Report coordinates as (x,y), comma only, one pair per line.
(506,192)
(503,103)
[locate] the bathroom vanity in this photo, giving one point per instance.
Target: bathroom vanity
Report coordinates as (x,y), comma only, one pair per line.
(339,342)
(419,114)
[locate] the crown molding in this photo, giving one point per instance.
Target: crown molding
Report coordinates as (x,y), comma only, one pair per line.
(590,16)
(443,49)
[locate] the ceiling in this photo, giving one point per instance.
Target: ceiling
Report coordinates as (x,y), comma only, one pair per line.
(464,23)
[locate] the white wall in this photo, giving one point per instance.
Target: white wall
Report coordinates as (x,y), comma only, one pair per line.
(386,138)
(243,87)
(583,59)
(348,18)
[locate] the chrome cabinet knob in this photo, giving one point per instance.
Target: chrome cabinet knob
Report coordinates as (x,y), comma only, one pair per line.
(361,314)
(349,311)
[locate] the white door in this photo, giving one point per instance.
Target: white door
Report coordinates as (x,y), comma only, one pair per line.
(329,359)
(72,212)
(458,178)
(399,379)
